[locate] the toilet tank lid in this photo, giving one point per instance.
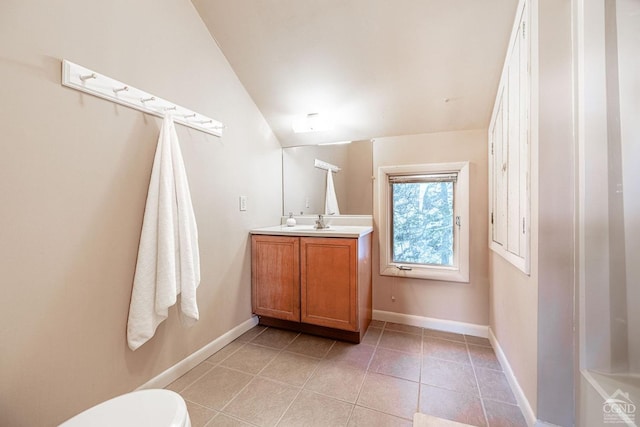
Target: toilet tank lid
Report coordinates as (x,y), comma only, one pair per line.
(154,407)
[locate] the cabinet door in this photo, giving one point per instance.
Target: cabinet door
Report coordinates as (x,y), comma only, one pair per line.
(329,282)
(275,276)
(509,167)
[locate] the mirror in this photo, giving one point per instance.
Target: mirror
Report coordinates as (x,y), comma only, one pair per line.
(304,185)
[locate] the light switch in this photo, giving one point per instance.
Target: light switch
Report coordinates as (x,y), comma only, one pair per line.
(243,203)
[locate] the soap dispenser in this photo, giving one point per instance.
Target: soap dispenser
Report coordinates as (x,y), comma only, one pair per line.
(291,221)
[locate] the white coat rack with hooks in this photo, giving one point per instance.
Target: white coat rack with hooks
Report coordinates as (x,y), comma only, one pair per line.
(86,80)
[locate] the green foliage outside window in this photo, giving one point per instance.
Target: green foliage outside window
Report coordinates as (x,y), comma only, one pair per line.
(422,223)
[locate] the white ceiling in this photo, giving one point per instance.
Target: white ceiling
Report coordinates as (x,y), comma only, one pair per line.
(380,67)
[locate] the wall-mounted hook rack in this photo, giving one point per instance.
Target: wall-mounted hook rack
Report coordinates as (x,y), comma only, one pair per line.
(85,80)
(326,166)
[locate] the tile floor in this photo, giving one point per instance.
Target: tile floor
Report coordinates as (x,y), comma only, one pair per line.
(270,377)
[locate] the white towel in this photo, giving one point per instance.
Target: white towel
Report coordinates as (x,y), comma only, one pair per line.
(168,259)
(331,201)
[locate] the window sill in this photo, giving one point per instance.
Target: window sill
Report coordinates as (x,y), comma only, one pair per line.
(521,263)
(444,274)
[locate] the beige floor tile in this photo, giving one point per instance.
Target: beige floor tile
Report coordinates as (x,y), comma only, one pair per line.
(470,339)
(250,358)
(444,335)
(390,326)
(504,415)
(251,333)
(185,380)
(426,420)
(390,395)
(290,368)
(310,345)
(494,385)
(451,405)
(450,375)
(371,336)
(275,338)
(262,402)
(225,352)
(376,324)
(364,417)
(354,355)
(484,357)
(222,420)
(401,341)
(447,350)
(216,388)
(336,380)
(199,415)
(396,363)
(314,410)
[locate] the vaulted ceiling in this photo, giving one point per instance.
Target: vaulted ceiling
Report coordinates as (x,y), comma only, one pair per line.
(377,67)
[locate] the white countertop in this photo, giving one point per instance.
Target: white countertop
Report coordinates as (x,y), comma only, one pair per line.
(309,231)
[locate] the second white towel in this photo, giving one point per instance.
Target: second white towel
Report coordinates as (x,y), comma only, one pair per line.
(331,201)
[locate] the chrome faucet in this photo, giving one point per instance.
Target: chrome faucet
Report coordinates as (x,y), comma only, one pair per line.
(320,225)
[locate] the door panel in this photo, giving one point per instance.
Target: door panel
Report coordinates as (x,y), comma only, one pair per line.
(329,282)
(275,276)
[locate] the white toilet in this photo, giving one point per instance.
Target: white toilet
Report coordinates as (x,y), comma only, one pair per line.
(152,408)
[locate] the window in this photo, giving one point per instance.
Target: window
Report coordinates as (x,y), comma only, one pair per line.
(422,218)
(423,212)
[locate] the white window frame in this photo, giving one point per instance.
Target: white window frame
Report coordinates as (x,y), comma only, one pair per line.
(459,272)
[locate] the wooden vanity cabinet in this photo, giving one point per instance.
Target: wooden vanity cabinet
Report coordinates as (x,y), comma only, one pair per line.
(318,285)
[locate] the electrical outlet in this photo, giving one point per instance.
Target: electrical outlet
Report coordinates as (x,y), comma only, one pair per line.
(243,203)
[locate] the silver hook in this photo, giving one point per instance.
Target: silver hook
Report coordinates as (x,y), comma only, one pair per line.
(169,108)
(143,100)
(187,116)
(125,88)
(202,122)
(89,76)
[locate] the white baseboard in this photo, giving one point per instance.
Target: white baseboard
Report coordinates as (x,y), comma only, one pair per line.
(523,402)
(194,359)
(432,323)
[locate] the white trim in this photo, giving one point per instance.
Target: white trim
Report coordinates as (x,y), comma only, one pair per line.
(523,402)
(194,359)
(433,323)
(457,273)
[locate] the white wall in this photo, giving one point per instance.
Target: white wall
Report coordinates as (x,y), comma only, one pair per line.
(462,302)
(74,172)
(628,23)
